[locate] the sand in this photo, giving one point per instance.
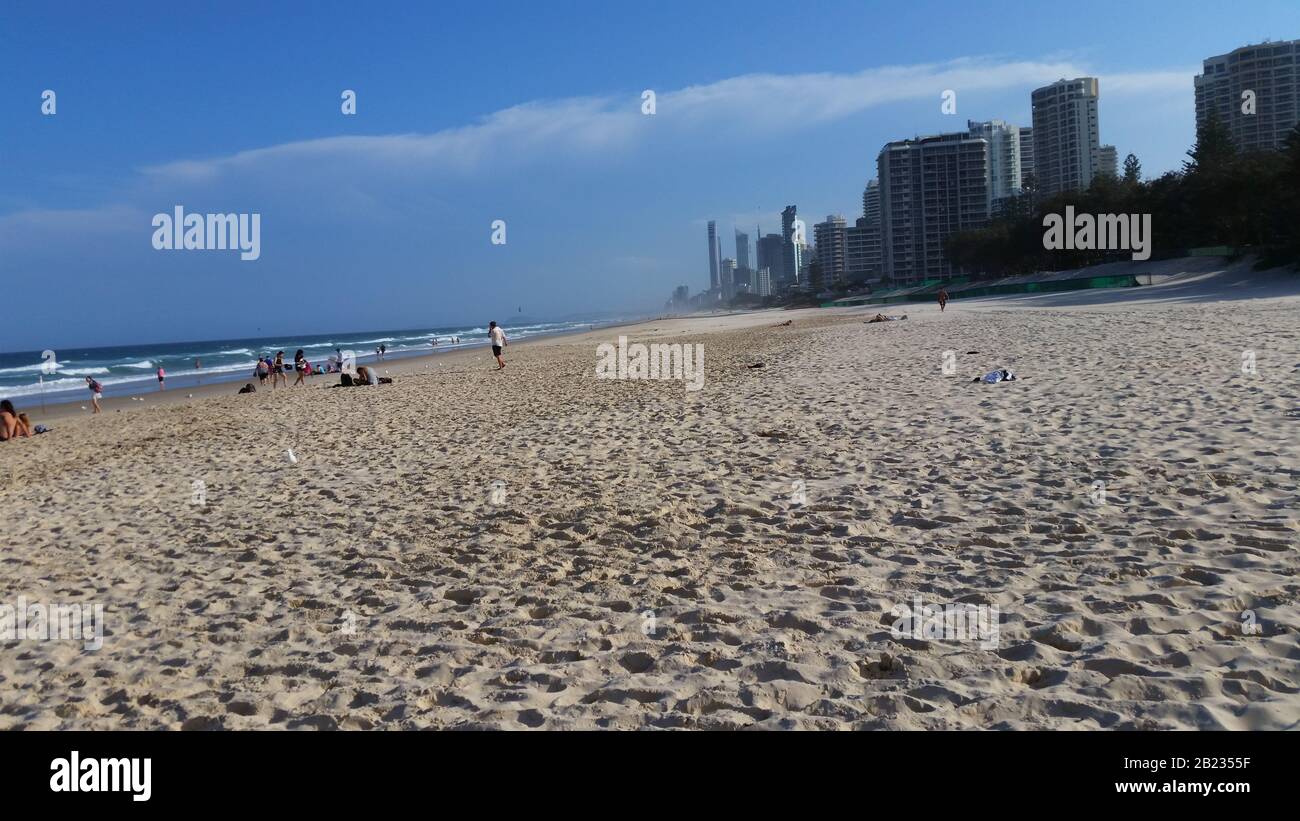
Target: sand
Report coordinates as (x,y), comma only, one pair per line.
(539,548)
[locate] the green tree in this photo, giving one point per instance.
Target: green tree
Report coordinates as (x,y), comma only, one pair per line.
(1132,170)
(1214,150)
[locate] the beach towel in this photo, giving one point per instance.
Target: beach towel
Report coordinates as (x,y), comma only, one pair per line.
(1000,375)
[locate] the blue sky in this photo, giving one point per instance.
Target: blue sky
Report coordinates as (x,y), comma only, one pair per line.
(525,112)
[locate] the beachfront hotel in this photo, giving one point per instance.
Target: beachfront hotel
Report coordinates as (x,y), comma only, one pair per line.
(930,188)
(830,242)
(1004,158)
(1067,143)
(1271,70)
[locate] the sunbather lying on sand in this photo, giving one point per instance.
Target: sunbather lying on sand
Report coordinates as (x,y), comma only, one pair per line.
(883,318)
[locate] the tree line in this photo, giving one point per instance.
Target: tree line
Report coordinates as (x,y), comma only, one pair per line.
(1221,196)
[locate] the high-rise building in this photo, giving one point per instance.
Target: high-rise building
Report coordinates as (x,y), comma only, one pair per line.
(862,257)
(714,256)
(1108,161)
(862,252)
(1026,154)
(727,272)
(742,249)
(1004,158)
(1067,141)
(1271,72)
(831,239)
(871,201)
(930,188)
(790,249)
(764,282)
(803,254)
(771,258)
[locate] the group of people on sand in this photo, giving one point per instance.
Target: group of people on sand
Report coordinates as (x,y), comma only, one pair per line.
(276,369)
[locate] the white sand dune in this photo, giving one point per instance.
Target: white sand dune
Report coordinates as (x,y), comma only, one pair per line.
(648,560)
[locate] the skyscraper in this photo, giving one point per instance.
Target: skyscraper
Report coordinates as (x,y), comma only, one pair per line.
(790,249)
(862,257)
(832,246)
(930,188)
(871,201)
(1271,71)
(742,249)
(714,256)
(771,258)
(1004,158)
(1067,141)
(1026,153)
(727,273)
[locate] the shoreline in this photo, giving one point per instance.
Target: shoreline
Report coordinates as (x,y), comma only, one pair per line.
(177,394)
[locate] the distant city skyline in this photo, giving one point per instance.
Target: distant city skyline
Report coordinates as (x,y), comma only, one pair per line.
(941,184)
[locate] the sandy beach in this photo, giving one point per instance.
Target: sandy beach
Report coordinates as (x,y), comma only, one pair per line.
(540,548)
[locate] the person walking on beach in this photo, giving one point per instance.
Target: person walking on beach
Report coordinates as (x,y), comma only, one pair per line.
(162,375)
(383,350)
(498,338)
(263,370)
(277,370)
(943,299)
(96,393)
(302,366)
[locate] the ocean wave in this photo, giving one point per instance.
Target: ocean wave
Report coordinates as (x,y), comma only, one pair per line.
(83,371)
(144,364)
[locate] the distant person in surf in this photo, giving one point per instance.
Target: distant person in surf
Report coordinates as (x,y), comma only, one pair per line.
(498,338)
(943,299)
(162,376)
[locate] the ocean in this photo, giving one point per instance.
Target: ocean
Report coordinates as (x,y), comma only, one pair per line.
(130,369)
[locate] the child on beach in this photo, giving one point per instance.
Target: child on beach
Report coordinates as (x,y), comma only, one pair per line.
(96,393)
(498,338)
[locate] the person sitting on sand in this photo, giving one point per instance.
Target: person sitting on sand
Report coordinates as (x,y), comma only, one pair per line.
(248,388)
(362,377)
(12,424)
(883,318)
